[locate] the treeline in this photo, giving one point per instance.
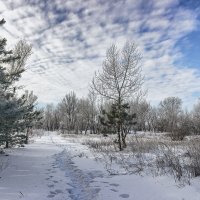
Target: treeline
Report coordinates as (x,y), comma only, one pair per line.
(73,115)
(17,112)
(82,115)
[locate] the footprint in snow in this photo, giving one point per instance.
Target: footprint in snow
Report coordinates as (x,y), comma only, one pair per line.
(55,192)
(50,186)
(52,192)
(104,181)
(114,190)
(114,184)
(51,196)
(70,190)
(97,190)
(70,185)
(124,196)
(58,191)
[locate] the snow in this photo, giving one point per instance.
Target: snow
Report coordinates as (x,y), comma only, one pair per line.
(58,168)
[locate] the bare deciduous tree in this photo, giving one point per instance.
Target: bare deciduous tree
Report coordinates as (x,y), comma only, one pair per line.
(93,109)
(120,79)
(141,108)
(196,117)
(170,109)
(22,51)
(48,122)
(121,76)
(69,110)
(152,119)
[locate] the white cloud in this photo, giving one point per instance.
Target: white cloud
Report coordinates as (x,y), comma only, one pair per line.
(70,39)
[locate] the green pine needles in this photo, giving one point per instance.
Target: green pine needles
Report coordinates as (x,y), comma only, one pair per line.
(17,113)
(118,120)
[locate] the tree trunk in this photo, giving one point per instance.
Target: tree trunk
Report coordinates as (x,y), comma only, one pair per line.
(27,135)
(7,144)
(124,139)
(86,128)
(119,137)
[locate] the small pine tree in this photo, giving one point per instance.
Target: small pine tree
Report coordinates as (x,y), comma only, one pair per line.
(118,120)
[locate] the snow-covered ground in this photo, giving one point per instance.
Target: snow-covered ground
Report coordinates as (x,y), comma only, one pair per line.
(53,167)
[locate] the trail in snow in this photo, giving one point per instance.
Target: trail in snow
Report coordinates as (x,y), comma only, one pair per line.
(79,181)
(44,170)
(62,169)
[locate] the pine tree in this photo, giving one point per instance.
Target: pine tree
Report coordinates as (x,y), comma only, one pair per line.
(8,103)
(15,112)
(31,115)
(118,120)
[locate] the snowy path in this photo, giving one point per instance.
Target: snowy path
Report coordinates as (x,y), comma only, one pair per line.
(44,170)
(54,168)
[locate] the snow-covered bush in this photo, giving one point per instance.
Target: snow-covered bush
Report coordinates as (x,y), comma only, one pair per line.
(193,153)
(151,155)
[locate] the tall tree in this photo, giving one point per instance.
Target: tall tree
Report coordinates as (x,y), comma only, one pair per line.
(170,110)
(69,110)
(84,114)
(120,78)
(93,111)
(196,117)
(48,119)
(13,109)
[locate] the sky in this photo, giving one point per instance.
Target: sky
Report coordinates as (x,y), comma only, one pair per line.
(70,38)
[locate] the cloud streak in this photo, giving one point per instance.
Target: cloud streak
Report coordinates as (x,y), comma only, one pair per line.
(70,39)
